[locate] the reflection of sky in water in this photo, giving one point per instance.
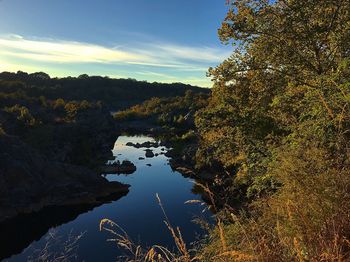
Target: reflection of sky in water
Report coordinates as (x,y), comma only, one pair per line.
(138,212)
(123,152)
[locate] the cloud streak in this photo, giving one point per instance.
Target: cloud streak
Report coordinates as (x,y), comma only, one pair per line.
(155,59)
(59,51)
(63,51)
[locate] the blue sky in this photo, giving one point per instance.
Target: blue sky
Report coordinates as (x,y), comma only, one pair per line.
(153,40)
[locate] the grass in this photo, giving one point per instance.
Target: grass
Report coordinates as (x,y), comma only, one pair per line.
(306,220)
(158,253)
(155,253)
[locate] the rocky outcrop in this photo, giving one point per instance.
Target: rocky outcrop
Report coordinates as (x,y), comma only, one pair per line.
(149,153)
(126,167)
(147,144)
(29,181)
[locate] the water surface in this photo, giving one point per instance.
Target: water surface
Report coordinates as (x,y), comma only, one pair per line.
(138,213)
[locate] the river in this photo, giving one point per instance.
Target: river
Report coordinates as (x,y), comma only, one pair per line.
(138,213)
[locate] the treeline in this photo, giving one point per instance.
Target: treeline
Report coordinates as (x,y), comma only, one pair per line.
(168,112)
(116,93)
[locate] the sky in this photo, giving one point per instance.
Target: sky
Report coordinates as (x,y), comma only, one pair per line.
(153,40)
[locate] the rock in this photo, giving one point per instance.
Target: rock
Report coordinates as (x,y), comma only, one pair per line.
(141,158)
(147,144)
(111,158)
(126,167)
(169,154)
(30,182)
(156,154)
(149,153)
(137,145)
(148,165)
(30,229)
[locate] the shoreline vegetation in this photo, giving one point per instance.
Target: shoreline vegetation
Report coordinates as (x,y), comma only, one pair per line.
(269,144)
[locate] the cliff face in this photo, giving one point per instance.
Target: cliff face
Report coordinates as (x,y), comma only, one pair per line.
(30,181)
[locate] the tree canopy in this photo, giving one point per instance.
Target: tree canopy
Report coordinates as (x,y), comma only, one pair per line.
(278,121)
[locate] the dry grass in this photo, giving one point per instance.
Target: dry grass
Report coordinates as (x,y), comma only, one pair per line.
(156,253)
(308,219)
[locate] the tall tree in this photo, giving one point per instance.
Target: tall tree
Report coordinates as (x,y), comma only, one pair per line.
(286,82)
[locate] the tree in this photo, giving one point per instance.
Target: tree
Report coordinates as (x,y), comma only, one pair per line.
(278,121)
(287,78)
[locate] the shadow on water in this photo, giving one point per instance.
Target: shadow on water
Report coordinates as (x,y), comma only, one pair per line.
(138,213)
(19,232)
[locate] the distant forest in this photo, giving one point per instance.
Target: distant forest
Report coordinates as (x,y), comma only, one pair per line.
(115,93)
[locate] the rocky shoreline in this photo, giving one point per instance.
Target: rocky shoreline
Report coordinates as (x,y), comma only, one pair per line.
(29,181)
(183,161)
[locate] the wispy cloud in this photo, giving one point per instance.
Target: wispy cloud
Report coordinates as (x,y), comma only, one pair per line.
(150,56)
(63,51)
(150,73)
(54,50)
(199,54)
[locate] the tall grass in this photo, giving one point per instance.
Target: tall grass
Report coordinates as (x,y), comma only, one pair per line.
(307,219)
(158,253)
(155,253)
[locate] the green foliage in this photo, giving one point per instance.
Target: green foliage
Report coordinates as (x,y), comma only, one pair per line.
(281,84)
(22,114)
(168,112)
(278,122)
(130,114)
(2,131)
(58,104)
(116,93)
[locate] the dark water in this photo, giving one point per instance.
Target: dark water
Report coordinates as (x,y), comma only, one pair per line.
(138,213)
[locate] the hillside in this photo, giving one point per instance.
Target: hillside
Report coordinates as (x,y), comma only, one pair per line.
(116,93)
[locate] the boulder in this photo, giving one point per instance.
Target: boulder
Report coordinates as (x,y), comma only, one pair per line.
(149,153)
(126,167)
(111,158)
(147,144)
